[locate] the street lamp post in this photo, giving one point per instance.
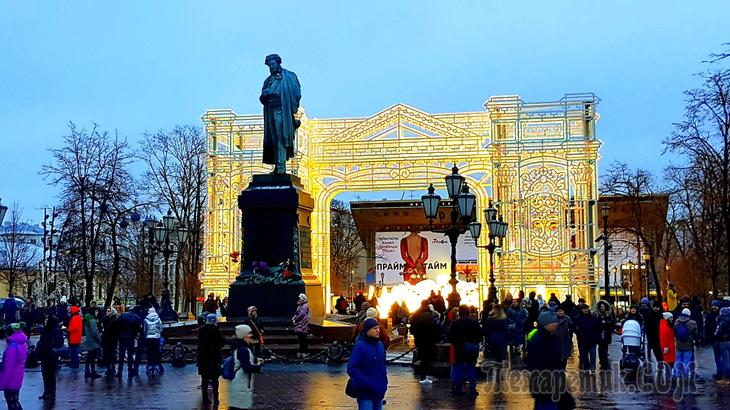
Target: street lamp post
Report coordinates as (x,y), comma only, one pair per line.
(163,234)
(497,232)
(461,210)
(646,257)
(630,265)
(615,286)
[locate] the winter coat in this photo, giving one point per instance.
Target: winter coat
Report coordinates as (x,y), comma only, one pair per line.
(51,338)
(564,336)
(722,331)
(532,312)
(666,341)
(651,327)
(424,328)
(464,330)
(671,299)
(366,368)
(10,311)
(518,319)
(92,339)
(695,308)
(152,326)
(496,333)
(606,322)
(129,325)
(75,326)
(240,389)
(711,326)
(210,343)
(62,313)
(687,345)
(256,326)
(587,330)
(210,306)
(301,318)
(543,352)
(13,369)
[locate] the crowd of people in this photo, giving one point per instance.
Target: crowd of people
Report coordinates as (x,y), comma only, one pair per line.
(543,334)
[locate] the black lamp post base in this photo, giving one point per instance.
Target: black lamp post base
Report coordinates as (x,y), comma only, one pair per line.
(454,300)
(492,294)
(167,313)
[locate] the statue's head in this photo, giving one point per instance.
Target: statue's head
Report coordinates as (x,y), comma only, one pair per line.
(274,63)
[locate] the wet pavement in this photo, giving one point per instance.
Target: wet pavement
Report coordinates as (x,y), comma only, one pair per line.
(310,386)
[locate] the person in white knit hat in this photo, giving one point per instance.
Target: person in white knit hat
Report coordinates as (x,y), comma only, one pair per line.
(240,390)
(685,334)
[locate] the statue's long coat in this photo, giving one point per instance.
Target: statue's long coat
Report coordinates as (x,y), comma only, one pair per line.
(290,93)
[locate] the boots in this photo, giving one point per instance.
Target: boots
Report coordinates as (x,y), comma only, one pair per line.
(206,399)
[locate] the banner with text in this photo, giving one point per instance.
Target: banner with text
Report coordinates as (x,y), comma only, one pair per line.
(425,254)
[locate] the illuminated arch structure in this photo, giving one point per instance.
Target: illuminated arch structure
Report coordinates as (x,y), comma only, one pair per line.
(537,161)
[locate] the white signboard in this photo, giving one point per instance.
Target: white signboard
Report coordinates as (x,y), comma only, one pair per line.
(413,256)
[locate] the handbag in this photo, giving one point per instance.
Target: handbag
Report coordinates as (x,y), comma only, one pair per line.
(351,388)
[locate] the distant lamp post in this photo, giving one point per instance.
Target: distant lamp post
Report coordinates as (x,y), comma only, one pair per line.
(462,209)
(646,258)
(3,211)
(630,265)
(167,232)
(497,232)
(615,285)
(605,211)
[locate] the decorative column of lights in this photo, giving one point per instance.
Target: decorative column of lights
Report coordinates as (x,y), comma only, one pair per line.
(462,208)
(3,211)
(497,232)
(167,232)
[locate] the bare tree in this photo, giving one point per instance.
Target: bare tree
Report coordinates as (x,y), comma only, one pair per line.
(18,255)
(177,177)
(91,170)
(703,139)
(645,211)
(345,244)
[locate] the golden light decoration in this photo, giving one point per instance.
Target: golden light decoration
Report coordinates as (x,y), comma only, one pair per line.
(536,161)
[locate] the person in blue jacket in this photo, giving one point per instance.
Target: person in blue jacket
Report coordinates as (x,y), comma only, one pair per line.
(366,367)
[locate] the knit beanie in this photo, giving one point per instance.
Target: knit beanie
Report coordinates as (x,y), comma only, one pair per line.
(667,315)
(686,312)
(545,318)
(211,318)
(151,310)
(371,312)
(242,331)
(368,324)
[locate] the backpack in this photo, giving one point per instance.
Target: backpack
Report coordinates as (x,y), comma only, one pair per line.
(228,371)
(681,332)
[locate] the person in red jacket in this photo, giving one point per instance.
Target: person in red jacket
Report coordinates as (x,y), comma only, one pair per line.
(666,338)
(75,329)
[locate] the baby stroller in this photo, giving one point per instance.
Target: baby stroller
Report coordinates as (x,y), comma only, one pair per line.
(632,346)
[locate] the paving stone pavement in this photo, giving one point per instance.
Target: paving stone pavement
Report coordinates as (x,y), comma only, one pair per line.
(318,386)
